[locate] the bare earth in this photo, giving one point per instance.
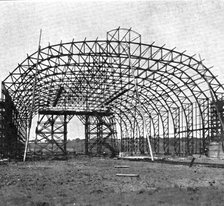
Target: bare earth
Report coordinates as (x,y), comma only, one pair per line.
(93,181)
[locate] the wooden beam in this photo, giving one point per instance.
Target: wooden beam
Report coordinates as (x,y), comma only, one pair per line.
(121,166)
(57,96)
(74,112)
(127,175)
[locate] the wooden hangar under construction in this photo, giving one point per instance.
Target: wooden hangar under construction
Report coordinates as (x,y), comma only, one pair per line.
(130,96)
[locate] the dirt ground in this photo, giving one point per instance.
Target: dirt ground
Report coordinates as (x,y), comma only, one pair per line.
(93,181)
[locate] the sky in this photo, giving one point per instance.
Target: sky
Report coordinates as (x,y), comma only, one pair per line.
(195,26)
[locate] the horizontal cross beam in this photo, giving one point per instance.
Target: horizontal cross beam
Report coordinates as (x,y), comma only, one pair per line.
(74,112)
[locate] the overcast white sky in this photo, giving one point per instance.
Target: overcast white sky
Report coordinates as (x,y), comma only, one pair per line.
(195,26)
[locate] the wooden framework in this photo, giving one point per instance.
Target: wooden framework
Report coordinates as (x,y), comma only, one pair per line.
(96,76)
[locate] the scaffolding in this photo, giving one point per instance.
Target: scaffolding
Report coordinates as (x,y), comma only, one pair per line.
(96,80)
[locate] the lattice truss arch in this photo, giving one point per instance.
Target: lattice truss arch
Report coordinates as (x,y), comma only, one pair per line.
(94,75)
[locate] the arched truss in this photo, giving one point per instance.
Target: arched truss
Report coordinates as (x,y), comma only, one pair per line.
(169,90)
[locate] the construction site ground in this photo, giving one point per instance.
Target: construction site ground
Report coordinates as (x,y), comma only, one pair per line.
(101,181)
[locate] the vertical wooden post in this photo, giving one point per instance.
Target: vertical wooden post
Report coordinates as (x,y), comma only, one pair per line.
(86,135)
(65,134)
